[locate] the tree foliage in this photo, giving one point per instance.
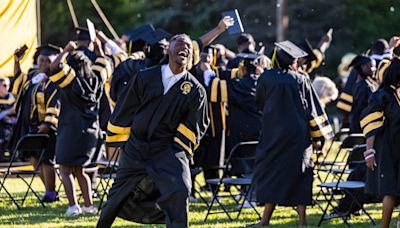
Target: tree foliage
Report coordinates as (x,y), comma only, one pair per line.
(356,23)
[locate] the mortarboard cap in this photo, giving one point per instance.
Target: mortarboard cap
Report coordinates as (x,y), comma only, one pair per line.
(82,34)
(286,53)
(141,33)
(156,36)
(291,49)
(48,50)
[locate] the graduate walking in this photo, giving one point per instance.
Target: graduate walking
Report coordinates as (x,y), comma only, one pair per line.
(292,119)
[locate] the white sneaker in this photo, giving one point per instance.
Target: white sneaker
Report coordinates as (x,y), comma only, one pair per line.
(89,210)
(73,210)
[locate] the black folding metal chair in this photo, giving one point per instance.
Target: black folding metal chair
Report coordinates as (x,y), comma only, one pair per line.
(333,168)
(36,143)
(333,190)
(237,173)
(108,173)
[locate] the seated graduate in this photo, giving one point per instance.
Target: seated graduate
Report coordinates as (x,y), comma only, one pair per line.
(159,122)
(37,111)
(80,82)
(362,89)
(292,119)
(7,117)
(380,124)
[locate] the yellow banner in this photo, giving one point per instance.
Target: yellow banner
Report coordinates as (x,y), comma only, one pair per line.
(17,27)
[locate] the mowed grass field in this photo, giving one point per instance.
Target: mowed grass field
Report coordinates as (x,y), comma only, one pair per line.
(33,215)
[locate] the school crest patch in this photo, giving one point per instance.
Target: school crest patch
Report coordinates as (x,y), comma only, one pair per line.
(186,87)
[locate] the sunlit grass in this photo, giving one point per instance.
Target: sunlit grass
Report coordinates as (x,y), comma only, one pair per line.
(33,215)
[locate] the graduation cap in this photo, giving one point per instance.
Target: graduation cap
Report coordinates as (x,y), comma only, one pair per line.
(48,50)
(156,36)
(286,52)
(82,34)
(141,33)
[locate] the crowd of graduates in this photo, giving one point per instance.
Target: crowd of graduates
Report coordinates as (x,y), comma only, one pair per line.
(153,95)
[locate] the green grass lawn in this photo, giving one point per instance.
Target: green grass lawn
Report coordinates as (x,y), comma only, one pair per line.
(33,215)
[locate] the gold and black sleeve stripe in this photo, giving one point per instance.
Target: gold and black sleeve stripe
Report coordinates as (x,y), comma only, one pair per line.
(380,71)
(118,58)
(117,134)
(186,138)
(18,83)
(317,62)
(345,102)
(63,77)
(102,68)
(372,123)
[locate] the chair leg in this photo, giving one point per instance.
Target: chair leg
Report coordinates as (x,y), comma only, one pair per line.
(8,193)
(30,188)
(211,204)
(241,205)
(325,210)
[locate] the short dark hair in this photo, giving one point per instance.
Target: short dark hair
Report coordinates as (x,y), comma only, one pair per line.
(180,37)
(379,47)
(244,38)
(392,73)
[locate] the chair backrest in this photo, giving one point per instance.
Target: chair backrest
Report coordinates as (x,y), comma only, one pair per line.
(31,142)
(356,155)
(352,140)
(242,158)
(342,134)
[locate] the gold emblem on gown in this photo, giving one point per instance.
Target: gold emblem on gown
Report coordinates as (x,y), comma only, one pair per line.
(186,87)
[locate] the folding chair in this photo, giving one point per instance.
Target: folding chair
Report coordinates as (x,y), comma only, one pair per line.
(333,168)
(237,173)
(108,172)
(28,143)
(341,187)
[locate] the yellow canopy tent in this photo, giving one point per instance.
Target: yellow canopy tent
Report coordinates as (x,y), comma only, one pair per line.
(18,26)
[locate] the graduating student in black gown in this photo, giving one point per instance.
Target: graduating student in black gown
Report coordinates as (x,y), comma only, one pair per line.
(37,109)
(380,122)
(160,125)
(80,83)
(362,89)
(292,119)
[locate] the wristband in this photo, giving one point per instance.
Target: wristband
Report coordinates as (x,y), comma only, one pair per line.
(369,156)
(369,152)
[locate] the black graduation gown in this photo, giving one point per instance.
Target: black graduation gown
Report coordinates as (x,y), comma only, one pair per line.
(291,117)
(244,116)
(381,119)
(79,132)
(361,93)
(152,125)
(123,74)
(37,104)
(345,100)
